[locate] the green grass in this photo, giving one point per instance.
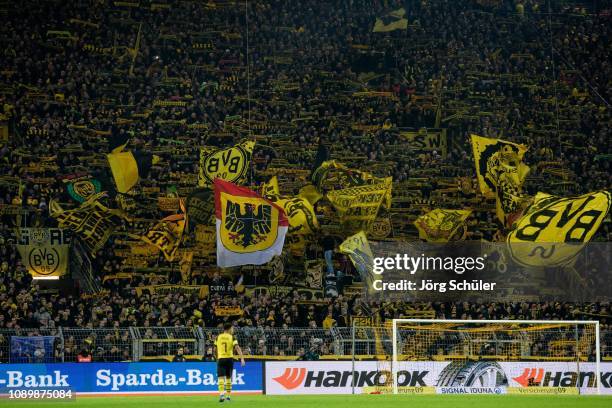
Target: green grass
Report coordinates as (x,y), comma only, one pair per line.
(330,401)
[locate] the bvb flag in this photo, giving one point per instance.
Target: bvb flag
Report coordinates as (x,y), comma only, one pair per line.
(553,230)
(501,173)
(358,249)
(359,206)
(299,211)
(231,164)
(331,175)
(44,251)
(250,229)
(167,234)
(92,222)
(494,158)
(442,225)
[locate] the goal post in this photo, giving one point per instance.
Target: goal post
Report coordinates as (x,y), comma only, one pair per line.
(504,355)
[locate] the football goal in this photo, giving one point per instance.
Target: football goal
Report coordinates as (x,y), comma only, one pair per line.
(496,356)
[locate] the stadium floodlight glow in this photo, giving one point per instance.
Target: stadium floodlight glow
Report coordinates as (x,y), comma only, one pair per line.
(478,349)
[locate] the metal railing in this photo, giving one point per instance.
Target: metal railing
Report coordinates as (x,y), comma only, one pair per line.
(104,344)
(159,341)
(284,342)
(146,343)
(254,341)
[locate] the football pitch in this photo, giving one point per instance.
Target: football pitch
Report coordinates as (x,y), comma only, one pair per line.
(330,401)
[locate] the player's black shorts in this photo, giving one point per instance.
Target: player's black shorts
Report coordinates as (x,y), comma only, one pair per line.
(225,366)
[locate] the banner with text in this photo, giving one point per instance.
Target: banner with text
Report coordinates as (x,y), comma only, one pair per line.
(127,378)
(458,377)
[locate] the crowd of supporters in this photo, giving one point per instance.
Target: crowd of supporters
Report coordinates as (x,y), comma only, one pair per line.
(525,70)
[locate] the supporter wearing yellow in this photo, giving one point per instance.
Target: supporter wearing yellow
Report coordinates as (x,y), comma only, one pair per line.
(329,322)
(224,346)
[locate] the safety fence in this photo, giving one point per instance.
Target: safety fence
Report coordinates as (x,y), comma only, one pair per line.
(64,344)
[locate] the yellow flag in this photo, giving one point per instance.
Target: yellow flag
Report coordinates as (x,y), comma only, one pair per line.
(231,164)
(201,290)
(167,234)
(496,158)
(509,201)
(270,188)
(297,243)
(553,230)
(310,193)
(391,21)
(358,249)
(299,211)
(331,175)
(4,133)
(185,266)
(93,222)
(139,248)
(228,311)
(128,167)
(359,206)
(205,234)
(314,273)
(125,170)
(426,140)
(442,225)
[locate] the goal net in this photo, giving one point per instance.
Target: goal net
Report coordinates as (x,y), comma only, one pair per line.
(495,356)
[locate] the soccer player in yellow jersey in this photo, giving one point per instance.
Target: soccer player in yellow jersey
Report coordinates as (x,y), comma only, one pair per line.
(225,345)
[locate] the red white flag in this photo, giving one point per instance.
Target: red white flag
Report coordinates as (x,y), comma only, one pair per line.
(250,229)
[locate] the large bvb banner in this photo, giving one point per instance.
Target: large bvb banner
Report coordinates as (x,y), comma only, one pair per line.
(44,251)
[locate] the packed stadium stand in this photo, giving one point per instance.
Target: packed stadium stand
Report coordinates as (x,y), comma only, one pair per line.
(308,81)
